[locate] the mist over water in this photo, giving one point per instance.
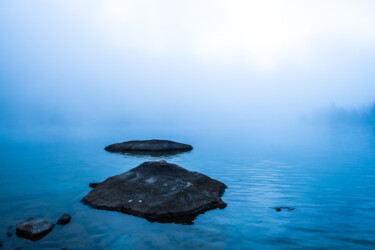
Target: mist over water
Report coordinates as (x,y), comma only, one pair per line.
(61,65)
(276,97)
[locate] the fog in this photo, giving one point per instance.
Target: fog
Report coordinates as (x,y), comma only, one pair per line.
(104,65)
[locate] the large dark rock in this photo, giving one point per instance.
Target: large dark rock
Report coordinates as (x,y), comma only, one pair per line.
(33,229)
(149,146)
(158,191)
(64,219)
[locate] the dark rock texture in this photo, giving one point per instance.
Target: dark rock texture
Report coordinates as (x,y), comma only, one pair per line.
(64,219)
(9,234)
(93,185)
(158,191)
(33,229)
(157,146)
(1,244)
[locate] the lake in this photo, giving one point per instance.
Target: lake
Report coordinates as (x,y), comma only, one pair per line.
(325,172)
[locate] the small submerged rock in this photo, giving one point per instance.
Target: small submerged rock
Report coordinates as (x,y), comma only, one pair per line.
(158,191)
(149,146)
(33,229)
(278,209)
(9,233)
(64,219)
(1,244)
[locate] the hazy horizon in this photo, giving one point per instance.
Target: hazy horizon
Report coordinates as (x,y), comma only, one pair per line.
(141,63)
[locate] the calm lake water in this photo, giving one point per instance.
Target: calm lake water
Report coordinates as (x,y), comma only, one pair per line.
(325,172)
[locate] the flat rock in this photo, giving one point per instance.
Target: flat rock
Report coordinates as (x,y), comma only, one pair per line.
(147,146)
(158,191)
(64,219)
(33,229)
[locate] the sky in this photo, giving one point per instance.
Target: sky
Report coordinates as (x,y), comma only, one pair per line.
(182,63)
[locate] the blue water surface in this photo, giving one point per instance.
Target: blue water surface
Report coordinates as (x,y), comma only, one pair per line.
(326,172)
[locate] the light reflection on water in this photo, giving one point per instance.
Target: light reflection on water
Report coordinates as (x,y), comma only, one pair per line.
(328,177)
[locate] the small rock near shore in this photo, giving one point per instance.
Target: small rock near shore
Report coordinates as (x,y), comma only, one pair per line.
(9,234)
(64,219)
(33,229)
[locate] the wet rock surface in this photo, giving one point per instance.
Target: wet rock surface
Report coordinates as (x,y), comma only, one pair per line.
(64,219)
(149,146)
(158,191)
(33,229)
